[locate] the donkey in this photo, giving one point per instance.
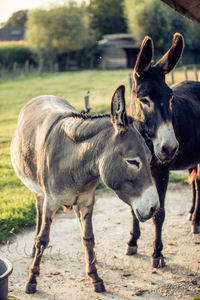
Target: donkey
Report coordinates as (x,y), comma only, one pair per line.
(166,118)
(60,154)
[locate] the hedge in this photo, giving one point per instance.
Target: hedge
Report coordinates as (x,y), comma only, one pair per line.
(19,53)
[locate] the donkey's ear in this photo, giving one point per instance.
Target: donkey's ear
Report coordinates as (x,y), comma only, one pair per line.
(118,110)
(168,62)
(144,57)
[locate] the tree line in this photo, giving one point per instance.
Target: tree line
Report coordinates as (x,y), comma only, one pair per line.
(70,32)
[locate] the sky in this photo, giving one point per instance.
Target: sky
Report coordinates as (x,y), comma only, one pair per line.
(8,7)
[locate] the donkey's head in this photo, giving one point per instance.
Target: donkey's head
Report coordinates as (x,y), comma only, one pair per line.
(151,97)
(125,163)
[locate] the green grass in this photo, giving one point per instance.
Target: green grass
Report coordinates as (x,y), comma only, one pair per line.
(17,208)
(175,179)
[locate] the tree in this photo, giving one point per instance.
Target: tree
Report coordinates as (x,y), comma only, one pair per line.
(154,18)
(59,30)
(107,16)
(18,19)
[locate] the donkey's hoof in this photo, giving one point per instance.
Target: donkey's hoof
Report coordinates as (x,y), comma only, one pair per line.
(131,250)
(195,228)
(99,287)
(190,217)
(30,288)
(158,262)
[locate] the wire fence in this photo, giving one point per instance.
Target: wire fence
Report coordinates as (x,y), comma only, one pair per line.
(27,68)
(188,71)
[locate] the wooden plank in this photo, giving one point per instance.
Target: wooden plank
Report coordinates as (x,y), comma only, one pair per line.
(189,9)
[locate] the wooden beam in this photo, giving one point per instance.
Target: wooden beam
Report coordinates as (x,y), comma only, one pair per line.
(189,9)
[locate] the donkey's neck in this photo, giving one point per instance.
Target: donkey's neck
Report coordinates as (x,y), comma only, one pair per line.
(80,128)
(86,139)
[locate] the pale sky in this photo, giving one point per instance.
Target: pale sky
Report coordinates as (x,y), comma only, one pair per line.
(8,7)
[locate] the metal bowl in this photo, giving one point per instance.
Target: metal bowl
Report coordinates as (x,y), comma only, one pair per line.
(5,270)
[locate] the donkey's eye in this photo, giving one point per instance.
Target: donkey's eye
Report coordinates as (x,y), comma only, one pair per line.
(145,101)
(136,163)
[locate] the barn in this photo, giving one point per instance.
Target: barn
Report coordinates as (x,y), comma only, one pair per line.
(118,51)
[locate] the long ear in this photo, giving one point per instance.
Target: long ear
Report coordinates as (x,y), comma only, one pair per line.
(168,62)
(144,57)
(118,110)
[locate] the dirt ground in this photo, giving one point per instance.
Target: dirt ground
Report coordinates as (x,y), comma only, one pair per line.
(125,277)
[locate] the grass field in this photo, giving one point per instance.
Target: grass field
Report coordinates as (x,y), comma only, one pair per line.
(17,208)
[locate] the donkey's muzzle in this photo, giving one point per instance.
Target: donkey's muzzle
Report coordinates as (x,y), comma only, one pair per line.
(165,143)
(146,206)
(168,153)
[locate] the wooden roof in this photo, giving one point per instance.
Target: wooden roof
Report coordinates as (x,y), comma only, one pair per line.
(188,8)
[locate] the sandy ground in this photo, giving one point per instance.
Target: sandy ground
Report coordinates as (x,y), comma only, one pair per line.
(63,265)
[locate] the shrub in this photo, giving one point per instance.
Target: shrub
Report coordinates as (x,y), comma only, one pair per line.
(19,53)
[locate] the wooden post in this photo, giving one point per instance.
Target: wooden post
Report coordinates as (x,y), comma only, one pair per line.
(185,71)
(172,77)
(87,103)
(195,72)
(41,66)
(2,71)
(15,68)
(56,67)
(26,67)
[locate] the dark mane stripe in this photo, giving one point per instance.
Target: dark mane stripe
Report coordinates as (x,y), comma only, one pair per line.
(85,116)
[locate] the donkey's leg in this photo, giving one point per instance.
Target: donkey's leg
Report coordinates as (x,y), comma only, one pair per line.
(193,197)
(39,209)
(196,214)
(84,212)
(161,179)
(135,234)
(41,243)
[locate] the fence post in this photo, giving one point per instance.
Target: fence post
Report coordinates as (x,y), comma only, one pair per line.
(185,71)
(15,68)
(87,103)
(41,66)
(130,81)
(195,72)
(2,69)
(56,67)
(26,67)
(172,77)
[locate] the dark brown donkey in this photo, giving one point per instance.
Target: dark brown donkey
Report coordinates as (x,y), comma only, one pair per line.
(157,107)
(60,154)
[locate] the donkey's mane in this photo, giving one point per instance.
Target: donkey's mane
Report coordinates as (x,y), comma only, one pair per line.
(86,116)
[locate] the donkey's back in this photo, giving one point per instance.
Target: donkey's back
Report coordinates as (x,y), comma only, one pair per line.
(185,114)
(188,89)
(43,109)
(35,123)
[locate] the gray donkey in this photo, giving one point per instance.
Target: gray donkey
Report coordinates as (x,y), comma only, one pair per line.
(60,154)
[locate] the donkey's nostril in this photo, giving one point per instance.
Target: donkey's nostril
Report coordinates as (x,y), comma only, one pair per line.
(168,151)
(164,149)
